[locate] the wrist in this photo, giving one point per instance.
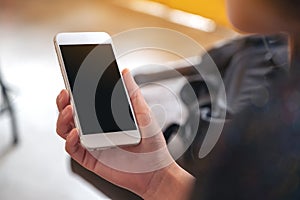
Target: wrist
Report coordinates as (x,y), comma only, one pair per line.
(172,182)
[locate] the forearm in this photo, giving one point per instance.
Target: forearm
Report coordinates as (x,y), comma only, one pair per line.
(172,183)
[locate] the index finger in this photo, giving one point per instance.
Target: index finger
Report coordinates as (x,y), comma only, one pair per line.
(62,100)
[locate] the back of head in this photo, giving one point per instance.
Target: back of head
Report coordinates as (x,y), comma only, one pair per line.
(289,8)
(264,16)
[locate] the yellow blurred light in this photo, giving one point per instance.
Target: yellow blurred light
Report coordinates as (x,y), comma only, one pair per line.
(212,9)
(192,20)
(174,15)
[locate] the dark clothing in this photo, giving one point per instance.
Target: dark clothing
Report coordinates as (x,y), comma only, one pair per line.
(249,67)
(258,154)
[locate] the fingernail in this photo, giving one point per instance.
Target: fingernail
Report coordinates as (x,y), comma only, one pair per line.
(125,71)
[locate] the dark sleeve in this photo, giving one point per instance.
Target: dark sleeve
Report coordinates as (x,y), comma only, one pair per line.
(257,157)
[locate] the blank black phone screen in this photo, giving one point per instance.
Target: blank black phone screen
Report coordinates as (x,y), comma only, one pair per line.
(98,92)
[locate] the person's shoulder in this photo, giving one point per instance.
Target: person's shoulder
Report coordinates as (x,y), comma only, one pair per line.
(258,155)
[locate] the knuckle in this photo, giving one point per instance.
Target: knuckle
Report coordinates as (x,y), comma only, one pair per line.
(58,98)
(58,127)
(144,119)
(58,130)
(134,95)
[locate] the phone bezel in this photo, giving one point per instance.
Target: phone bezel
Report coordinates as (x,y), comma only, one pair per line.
(95,140)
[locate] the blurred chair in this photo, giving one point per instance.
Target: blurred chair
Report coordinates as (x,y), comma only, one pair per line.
(6,106)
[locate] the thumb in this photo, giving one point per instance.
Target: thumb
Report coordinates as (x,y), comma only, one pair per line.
(144,116)
(140,107)
(130,83)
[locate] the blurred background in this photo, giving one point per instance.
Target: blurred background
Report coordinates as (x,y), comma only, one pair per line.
(37,167)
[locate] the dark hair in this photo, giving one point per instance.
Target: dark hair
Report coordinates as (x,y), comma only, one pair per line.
(288,7)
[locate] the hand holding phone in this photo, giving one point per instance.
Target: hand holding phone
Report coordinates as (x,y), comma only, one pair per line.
(103,112)
(143,184)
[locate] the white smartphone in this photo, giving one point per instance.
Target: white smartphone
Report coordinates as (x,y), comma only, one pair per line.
(103,112)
